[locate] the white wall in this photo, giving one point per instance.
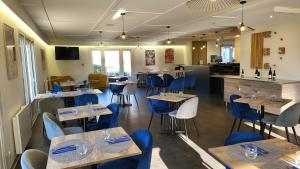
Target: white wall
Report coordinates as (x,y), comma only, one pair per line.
(12,91)
(287,27)
(79,69)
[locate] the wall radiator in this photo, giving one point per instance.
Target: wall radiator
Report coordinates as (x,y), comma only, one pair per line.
(22,124)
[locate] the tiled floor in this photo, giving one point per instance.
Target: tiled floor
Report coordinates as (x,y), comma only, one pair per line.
(173,152)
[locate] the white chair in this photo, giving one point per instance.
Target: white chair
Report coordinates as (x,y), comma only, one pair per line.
(34,159)
(129,90)
(188,110)
(54,129)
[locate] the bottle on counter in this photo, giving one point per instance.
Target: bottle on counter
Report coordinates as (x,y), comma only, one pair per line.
(274,75)
(256,72)
(258,75)
(270,74)
(242,74)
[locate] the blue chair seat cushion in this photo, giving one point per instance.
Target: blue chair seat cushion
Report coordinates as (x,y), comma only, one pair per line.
(126,163)
(72,130)
(269,119)
(250,115)
(239,137)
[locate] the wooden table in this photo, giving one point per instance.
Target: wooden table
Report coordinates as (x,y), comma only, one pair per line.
(67,94)
(265,104)
(123,83)
(70,83)
(172,97)
(222,154)
(83,112)
(97,156)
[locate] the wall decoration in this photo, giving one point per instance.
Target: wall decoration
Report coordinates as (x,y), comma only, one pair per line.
(169,55)
(150,57)
(10,52)
(266,65)
(281,50)
(266,51)
(43,59)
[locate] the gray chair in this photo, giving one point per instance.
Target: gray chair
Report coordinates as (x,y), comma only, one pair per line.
(288,118)
(54,129)
(34,159)
(50,105)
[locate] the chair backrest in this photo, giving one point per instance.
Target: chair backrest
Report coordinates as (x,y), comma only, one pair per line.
(34,159)
(177,84)
(238,108)
(142,77)
(289,117)
(144,140)
(116,89)
(53,129)
(57,88)
(156,81)
(153,103)
(129,89)
(190,82)
(50,105)
(168,79)
(85,99)
(188,109)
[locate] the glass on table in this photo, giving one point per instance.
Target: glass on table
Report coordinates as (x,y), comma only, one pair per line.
(297,158)
(251,151)
(180,93)
(106,134)
(90,107)
(81,148)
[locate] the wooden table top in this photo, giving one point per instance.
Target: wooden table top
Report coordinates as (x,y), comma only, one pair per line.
(67,94)
(172,97)
(70,83)
(275,106)
(123,83)
(222,153)
(97,156)
(83,112)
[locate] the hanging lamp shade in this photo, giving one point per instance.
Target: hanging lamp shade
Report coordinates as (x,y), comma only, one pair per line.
(210,6)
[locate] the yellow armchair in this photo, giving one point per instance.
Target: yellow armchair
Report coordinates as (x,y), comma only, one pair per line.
(98,80)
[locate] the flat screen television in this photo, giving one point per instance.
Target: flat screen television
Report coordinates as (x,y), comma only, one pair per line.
(66,53)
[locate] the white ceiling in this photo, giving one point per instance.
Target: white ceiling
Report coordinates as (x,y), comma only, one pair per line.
(79,21)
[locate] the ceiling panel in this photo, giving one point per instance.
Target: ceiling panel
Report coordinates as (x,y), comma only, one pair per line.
(71,28)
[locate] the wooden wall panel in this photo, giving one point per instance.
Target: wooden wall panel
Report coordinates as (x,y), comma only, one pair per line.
(198,54)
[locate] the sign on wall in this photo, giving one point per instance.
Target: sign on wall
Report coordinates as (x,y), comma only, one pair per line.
(169,55)
(150,57)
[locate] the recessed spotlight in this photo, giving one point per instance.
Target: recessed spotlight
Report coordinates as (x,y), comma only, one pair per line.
(194,47)
(270,16)
(118,13)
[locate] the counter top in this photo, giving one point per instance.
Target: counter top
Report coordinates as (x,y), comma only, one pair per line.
(278,81)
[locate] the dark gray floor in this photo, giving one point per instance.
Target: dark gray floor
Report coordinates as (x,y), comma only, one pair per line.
(213,121)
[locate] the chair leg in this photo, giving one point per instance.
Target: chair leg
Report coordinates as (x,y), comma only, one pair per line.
(287,134)
(136,102)
(194,121)
(150,121)
(253,128)
(112,96)
(185,128)
(239,124)
(270,130)
(295,134)
(233,126)
(161,121)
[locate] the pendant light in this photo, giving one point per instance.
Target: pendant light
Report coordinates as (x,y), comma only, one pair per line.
(101,42)
(169,41)
(138,45)
(242,25)
(123,36)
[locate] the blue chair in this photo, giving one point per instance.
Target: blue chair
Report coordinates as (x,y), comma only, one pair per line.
(158,107)
(32,159)
(177,85)
(144,141)
(106,121)
(56,88)
(167,79)
(84,99)
(54,129)
(116,91)
(240,137)
(148,84)
(156,82)
(190,82)
(243,112)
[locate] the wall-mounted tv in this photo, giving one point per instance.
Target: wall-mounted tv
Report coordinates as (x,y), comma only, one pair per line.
(66,53)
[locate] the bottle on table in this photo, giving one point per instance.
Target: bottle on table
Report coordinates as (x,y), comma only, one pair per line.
(242,74)
(258,75)
(256,72)
(270,74)
(274,75)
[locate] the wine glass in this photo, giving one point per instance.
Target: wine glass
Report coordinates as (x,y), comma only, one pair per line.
(251,152)
(106,134)
(81,148)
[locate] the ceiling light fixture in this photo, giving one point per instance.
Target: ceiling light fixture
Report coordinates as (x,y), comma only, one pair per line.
(217,44)
(123,36)
(138,45)
(101,43)
(169,41)
(118,13)
(242,26)
(211,6)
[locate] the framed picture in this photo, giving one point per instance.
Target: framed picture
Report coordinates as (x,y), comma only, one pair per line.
(169,55)
(43,59)
(150,57)
(10,52)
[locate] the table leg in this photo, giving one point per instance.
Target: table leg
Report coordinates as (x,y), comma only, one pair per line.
(84,124)
(262,125)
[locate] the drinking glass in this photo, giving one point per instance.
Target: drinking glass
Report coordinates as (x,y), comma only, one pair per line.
(251,152)
(180,93)
(106,134)
(90,107)
(297,158)
(81,148)
(75,111)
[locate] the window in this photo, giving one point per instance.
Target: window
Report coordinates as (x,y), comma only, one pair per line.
(227,53)
(28,68)
(96,55)
(112,62)
(127,63)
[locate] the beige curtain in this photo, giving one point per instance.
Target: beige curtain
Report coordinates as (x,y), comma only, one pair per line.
(257,46)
